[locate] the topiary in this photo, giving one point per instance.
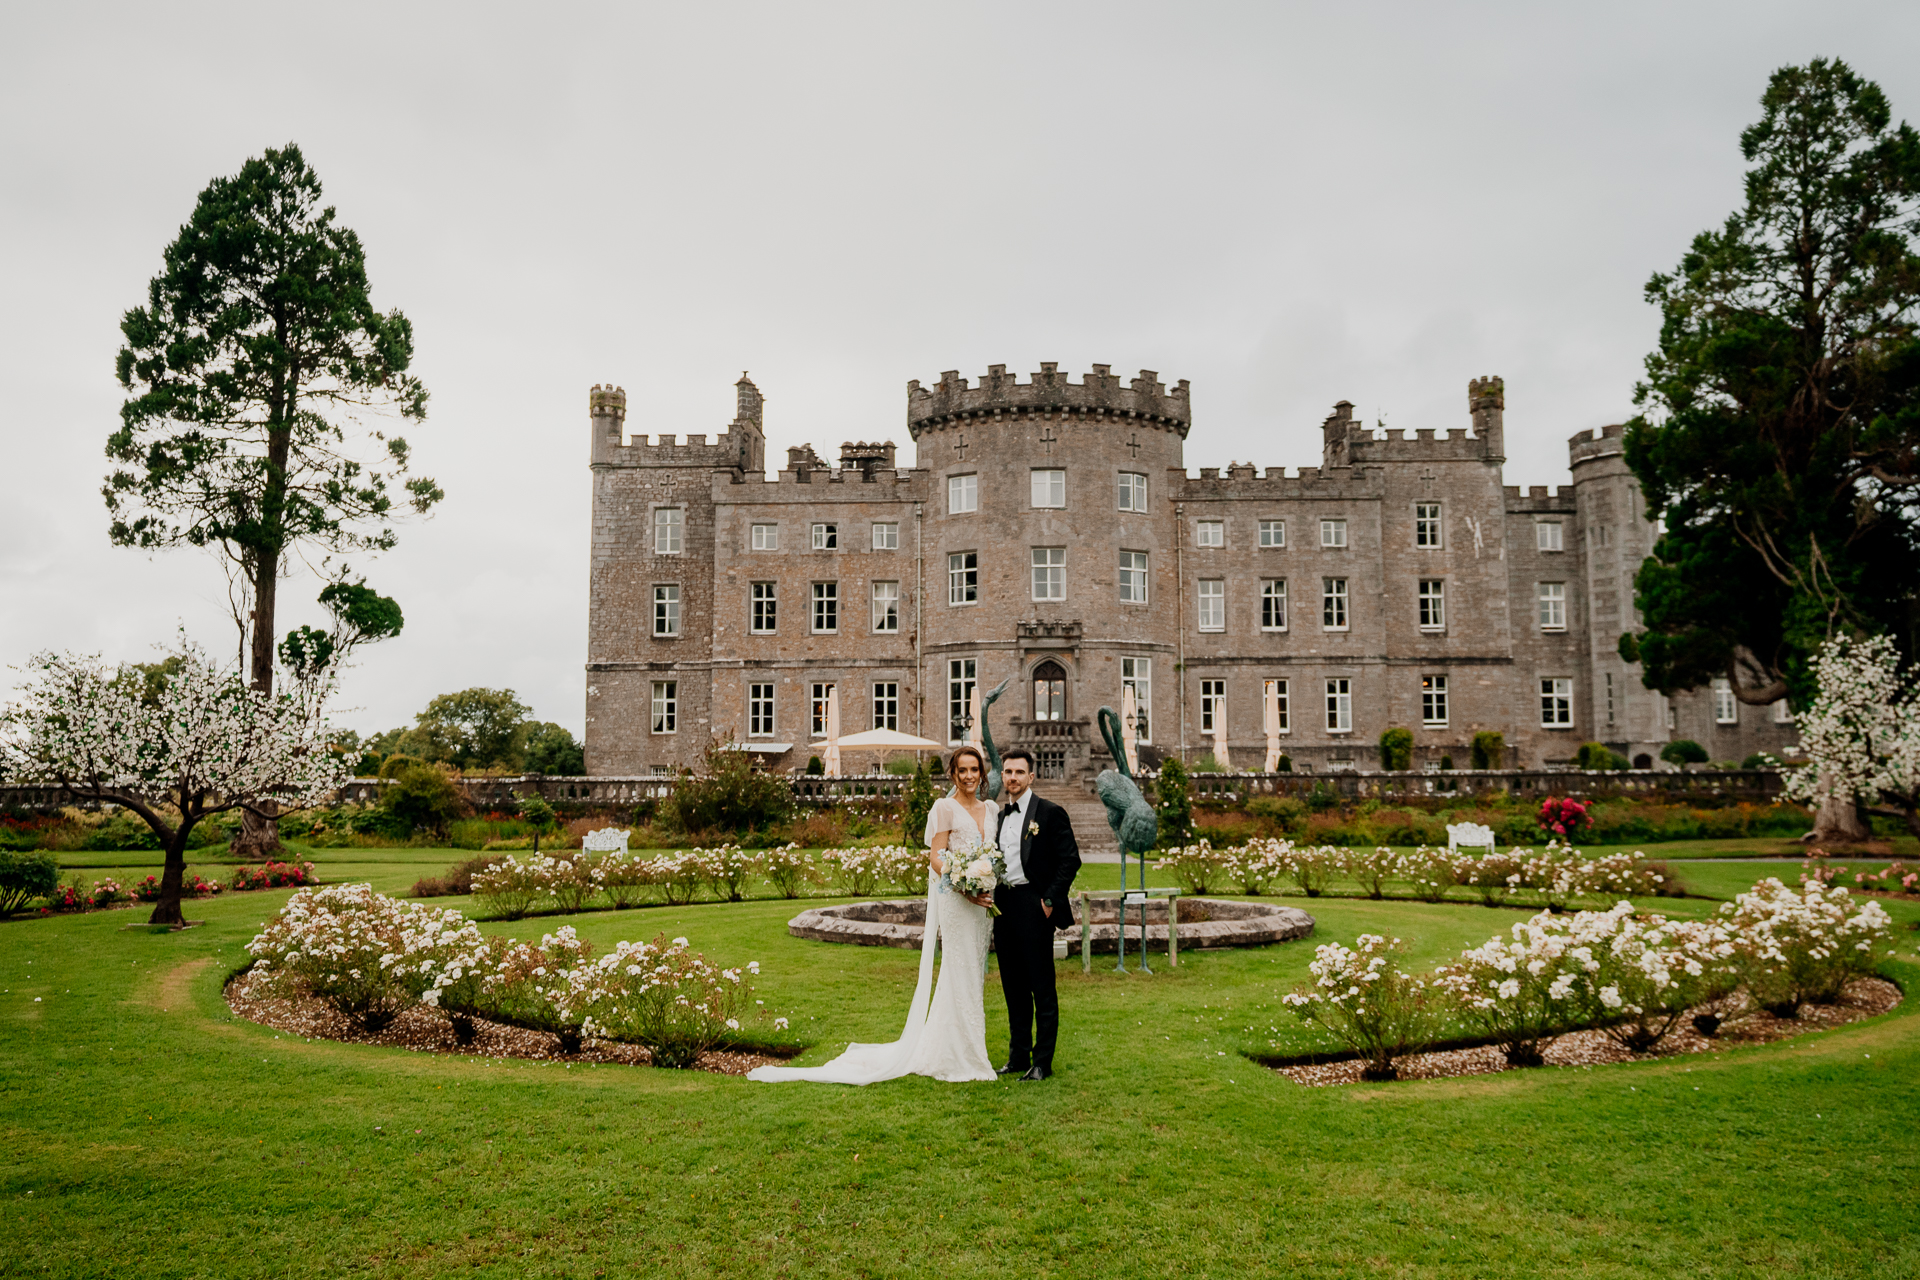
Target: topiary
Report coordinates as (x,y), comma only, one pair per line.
(815,767)
(1489,749)
(1446,764)
(1285,765)
(919,800)
(1683,751)
(1396,750)
(24,877)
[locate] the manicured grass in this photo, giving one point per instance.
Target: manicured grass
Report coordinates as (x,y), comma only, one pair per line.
(151,1134)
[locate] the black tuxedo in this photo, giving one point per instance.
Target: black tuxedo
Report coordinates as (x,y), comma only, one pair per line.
(1023,931)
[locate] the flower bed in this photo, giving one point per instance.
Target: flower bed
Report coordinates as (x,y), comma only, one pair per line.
(1550,877)
(1629,976)
(370,959)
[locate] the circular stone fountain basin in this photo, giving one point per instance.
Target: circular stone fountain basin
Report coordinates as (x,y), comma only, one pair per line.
(1204,923)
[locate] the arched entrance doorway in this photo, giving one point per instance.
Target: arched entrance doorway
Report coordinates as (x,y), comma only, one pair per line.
(1049,691)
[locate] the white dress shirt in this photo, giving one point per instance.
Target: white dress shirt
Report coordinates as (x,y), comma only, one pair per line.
(1009,835)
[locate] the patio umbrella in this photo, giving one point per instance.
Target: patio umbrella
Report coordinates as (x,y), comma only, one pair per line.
(1220,736)
(833,732)
(973,713)
(1272,708)
(886,740)
(1129,729)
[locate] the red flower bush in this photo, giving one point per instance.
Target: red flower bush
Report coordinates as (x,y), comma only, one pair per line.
(274,875)
(1562,816)
(194,886)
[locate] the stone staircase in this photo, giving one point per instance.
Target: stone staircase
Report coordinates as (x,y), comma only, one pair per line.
(1089,817)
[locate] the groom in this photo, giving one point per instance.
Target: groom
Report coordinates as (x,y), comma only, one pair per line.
(1036,838)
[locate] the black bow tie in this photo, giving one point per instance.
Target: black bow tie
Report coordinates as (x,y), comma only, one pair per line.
(1012,808)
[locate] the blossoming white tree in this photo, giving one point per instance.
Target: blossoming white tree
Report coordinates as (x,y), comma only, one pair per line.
(174,750)
(1862,735)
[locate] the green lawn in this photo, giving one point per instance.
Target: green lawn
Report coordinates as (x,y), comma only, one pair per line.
(148,1133)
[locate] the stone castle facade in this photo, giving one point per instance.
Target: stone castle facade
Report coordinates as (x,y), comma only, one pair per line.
(1051,534)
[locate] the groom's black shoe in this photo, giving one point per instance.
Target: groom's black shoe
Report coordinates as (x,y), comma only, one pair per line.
(1011,1070)
(1037,1073)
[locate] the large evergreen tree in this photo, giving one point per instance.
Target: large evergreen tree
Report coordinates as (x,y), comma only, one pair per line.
(248,369)
(1779,438)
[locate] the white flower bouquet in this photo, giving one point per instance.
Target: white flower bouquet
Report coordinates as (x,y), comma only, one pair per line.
(974,870)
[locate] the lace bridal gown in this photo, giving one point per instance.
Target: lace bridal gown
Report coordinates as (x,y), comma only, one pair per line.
(945,1036)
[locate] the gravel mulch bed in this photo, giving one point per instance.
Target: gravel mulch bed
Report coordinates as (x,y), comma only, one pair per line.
(1866,998)
(425,1030)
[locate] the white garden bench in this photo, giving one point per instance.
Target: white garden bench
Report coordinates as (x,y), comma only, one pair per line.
(1469,835)
(605,840)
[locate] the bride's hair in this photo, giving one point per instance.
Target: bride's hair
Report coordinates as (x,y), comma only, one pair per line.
(953,761)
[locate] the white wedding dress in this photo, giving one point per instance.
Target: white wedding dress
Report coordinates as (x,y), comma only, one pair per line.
(946,1032)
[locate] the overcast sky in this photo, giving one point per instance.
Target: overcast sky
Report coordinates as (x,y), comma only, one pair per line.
(1287,204)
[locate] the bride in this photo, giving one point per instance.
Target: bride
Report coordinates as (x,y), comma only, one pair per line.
(945,1038)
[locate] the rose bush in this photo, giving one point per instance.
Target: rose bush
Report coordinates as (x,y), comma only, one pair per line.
(1369,1002)
(1801,946)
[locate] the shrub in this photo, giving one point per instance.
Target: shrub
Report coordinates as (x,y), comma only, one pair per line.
(24,877)
(1255,865)
(273,875)
(1489,749)
(1198,867)
(423,797)
(1804,946)
(1369,1002)
(1518,990)
(1396,750)
(1173,804)
(1593,755)
(662,996)
(921,794)
(191,886)
(728,795)
(1653,970)
(816,768)
(1683,751)
(1206,764)
(681,874)
(1311,870)
(511,887)
(536,813)
(1322,798)
(1371,869)
(788,868)
(1284,815)
(857,871)
(1562,815)
(729,867)
(367,955)
(1759,760)
(625,876)
(1446,764)
(1430,872)
(1284,765)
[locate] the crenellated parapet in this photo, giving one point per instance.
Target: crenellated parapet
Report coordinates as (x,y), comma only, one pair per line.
(1592,446)
(741,447)
(1000,394)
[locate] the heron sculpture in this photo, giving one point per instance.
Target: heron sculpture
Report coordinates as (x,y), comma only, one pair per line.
(1136,828)
(990,785)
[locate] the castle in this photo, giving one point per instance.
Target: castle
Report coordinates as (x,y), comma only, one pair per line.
(1052,534)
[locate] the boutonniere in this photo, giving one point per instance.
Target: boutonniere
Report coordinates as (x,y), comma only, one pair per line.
(1033,828)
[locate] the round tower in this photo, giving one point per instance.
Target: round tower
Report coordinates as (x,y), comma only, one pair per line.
(1049,545)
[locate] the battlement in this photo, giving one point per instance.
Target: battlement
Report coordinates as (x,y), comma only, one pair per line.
(742,447)
(1537,498)
(866,458)
(1100,394)
(1591,446)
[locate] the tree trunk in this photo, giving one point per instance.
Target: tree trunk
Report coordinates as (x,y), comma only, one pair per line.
(258,837)
(167,909)
(1838,819)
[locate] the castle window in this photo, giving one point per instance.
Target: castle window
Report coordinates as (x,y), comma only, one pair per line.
(961,675)
(1133,577)
(1049,573)
(1213,708)
(1333,533)
(1210,533)
(1137,674)
(766,537)
(1333,604)
(1548,536)
(766,608)
(1433,702)
(1275,691)
(886,536)
(1553,606)
(1426,524)
(1273,604)
(822,703)
(1609,699)
(1340,705)
(826,608)
(1049,488)
(1726,709)
(666,706)
(1782,712)
(886,607)
(759,711)
(666,610)
(667,524)
(963,577)
(886,704)
(1213,604)
(1133,491)
(826,537)
(1433,605)
(963,494)
(1273,533)
(1556,704)
(1049,691)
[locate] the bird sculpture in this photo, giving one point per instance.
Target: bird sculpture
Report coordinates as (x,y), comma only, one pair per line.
(990,785)
(1134,823)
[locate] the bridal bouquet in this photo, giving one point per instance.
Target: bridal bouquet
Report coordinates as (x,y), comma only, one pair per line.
(974,870)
